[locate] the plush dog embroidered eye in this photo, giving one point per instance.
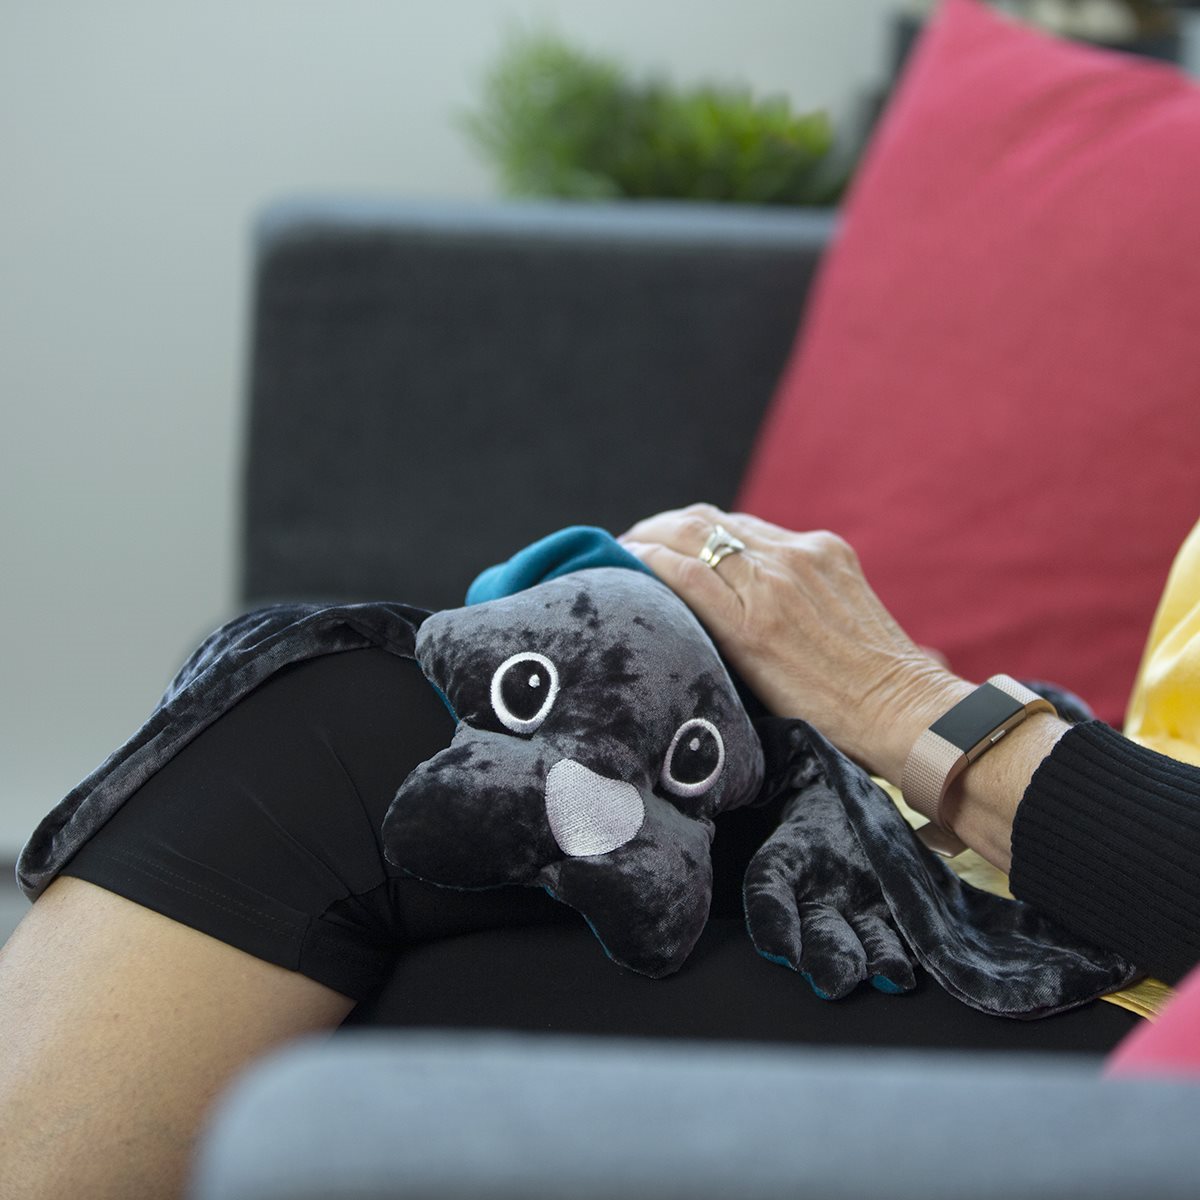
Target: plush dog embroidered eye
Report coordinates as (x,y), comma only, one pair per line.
(694,760)
(523,691)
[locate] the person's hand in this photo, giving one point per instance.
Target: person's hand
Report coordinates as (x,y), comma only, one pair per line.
(795,617)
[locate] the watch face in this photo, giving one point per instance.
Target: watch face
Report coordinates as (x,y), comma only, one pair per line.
(972,719)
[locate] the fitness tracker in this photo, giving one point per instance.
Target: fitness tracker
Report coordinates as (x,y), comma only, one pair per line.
(954,741)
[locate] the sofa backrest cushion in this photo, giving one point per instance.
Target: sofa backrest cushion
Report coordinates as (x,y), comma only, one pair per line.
(996,395)
(434,385)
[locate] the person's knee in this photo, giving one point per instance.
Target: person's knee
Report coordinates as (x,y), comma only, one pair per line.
(118,1027)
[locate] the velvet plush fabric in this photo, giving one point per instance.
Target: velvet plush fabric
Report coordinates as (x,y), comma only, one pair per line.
(575,548)
(844,891)
(608,800)
(227,665)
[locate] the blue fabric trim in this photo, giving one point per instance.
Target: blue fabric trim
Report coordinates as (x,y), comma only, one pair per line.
(595,932)
(576,548)
(823,995)
(881,983)
(776,958)
(445,699)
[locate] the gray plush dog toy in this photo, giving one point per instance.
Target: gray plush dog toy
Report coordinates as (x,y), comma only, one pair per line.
(599,735)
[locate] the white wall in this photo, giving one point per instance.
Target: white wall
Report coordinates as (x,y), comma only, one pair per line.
(137,138)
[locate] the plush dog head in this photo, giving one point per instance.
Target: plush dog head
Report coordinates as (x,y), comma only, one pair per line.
(599,734)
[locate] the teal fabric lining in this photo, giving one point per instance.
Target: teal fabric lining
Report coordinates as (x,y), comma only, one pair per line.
(576,548)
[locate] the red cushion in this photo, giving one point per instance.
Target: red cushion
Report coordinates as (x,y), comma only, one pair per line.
(996,397)
(1168,1046)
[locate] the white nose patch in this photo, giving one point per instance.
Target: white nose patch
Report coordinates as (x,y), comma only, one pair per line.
(588,813)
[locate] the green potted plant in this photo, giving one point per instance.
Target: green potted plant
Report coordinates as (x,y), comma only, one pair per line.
(558,121)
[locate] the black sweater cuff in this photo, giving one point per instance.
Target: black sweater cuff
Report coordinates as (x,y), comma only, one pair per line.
(1107,840)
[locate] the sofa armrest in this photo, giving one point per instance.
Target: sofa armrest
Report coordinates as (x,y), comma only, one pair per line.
(490,1117)
(433,386)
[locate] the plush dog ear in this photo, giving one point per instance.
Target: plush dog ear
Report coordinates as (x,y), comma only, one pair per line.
(1000,956)
(813,902)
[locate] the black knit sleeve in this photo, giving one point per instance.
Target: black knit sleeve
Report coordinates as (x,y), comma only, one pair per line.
(1107,839)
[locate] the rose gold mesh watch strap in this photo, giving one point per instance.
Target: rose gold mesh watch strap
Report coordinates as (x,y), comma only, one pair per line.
(934,764)
(927,771)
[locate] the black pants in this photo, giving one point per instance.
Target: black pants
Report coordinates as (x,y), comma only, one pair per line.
(264,832)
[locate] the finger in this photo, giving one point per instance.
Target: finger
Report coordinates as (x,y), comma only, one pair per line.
(833,960)
(686,534)
(735,569)
(701,588)
(687,529)
(763,531)
(888,964)
(651,529)
(766,536)
(771,916)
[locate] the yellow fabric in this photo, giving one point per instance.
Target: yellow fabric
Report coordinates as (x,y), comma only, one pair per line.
(1164,711)
(1146,998)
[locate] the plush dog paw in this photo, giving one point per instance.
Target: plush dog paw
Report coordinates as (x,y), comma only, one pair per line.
(1000,956)
(813,903)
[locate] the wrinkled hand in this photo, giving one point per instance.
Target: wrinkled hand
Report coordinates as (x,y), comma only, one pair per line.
(797,619)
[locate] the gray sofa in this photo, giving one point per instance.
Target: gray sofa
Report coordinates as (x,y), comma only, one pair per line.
(472,1117)
(431,387)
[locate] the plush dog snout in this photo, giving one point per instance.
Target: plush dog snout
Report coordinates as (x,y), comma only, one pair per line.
(589,813)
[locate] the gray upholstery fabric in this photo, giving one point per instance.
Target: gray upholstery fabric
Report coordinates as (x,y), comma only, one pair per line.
(434,386)
(522,1118)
